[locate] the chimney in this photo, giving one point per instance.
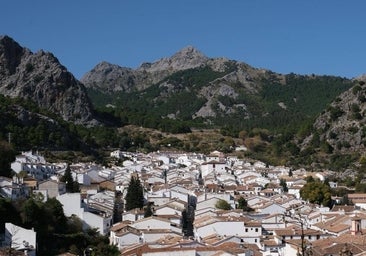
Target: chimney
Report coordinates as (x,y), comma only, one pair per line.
(356,226)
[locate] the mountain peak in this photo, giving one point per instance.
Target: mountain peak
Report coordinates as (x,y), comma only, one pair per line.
(40,77)
(186,58)
(10,55)
(189,52)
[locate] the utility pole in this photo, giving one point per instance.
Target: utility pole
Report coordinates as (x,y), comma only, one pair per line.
(298,218)
(9,137)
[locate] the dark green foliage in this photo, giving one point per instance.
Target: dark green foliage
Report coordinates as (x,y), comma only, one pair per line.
(8,213)
(283,184)
(134,197)
(290,172)
(360,188)
(56,217)
(338,162)
(148,211)
(355,111)
(55,233)
(222,205)
(335,112)
(71,185)
(355,108)
(362,98)
(7,156)
(171,142)
(243,204)
(304,96)
(34,131)
(29,67)
(356,89)
(317,192)
(187,220)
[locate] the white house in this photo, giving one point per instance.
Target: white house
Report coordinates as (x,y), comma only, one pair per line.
(214,167)
(72,205)
(21,239)
(34,164)
(229,226)
(152,223)
(102,222)
(123,235)
(270,208)
(13,188)
(117,154)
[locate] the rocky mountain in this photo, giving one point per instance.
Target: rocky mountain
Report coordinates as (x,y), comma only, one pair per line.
(113,78)
(41,78)
(219,91)
(342,124)
(219,77)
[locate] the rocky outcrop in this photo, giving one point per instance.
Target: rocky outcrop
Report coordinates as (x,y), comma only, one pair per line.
(188,57)
(341,125)
(113,78)
(109,78)
(41,78)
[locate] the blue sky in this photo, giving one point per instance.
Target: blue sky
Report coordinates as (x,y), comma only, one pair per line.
(325,37)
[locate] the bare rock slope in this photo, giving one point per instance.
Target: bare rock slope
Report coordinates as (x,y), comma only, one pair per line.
(41,78)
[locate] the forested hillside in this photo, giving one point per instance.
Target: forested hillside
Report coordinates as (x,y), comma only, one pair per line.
(278,103)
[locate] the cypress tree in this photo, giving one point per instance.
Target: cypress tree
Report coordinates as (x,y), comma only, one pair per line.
(135,196)
(71,185)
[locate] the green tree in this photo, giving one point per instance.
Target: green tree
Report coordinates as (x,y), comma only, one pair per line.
(148,211)
(283,184)
(8,213)
(103,248)
(57,221)
(30,212)
(243,204)
(360,187)
(135,195)
(71,185)
(316,192)
(7,155)
(290,172)
(222,205)
(187,220)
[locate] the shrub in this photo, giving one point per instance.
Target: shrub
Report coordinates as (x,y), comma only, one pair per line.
(356,89)
(29,67)
(222,205)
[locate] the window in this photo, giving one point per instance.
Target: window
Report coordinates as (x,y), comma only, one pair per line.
(256,229)
(246,230)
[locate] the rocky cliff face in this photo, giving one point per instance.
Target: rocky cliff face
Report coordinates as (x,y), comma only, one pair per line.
(341,125)
(41,78)
(111,78)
